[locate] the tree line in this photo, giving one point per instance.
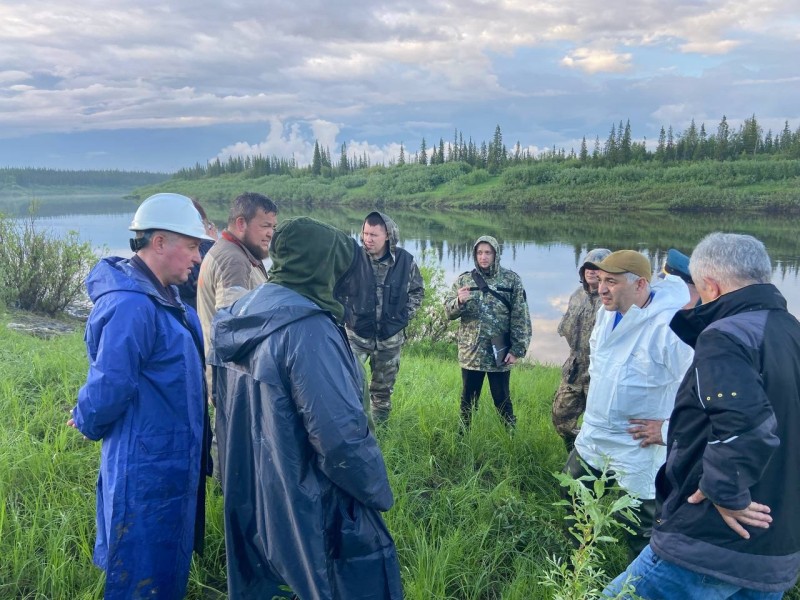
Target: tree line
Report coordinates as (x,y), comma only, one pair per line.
(619,148)
(29,177)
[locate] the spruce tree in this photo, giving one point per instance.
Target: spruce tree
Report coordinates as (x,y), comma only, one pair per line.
(316,162)
(344,164)
(723,139)
(584,155)
(626,151)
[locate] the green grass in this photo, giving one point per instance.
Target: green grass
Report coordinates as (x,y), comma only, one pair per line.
(473,515)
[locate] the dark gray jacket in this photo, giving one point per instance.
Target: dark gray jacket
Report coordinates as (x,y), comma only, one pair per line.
(304,479)
(735,435)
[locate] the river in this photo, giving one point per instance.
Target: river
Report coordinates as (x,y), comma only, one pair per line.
(543,248)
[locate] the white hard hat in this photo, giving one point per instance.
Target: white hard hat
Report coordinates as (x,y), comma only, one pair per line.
(170,212)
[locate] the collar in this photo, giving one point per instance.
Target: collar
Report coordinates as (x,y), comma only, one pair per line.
(227,235)
(689,323)
(167,293)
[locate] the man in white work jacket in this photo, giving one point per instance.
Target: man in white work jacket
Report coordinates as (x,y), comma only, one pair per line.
(636,365)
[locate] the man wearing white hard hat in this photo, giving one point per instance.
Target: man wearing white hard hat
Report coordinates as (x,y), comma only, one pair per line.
(145,398)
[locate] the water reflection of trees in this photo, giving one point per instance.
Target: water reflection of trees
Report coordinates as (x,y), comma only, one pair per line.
(449,235)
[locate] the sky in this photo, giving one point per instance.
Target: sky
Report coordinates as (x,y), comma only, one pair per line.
(157,86)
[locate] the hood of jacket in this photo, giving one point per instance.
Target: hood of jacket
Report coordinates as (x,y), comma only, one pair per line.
(392,230)
(688,324)
(495,266)
(669,294)
(242,326)
(115,274)
(311,257)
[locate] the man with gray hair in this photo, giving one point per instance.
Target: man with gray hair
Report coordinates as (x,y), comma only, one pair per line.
(730,488)
(636,364)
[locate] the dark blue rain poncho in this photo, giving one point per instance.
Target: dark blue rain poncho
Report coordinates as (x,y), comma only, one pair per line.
(144,397)
(303,477)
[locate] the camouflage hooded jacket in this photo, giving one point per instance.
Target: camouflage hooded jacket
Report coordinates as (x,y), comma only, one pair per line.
(576,327)
(484,315)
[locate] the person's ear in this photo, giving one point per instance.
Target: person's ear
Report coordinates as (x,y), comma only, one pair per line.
(158,241)
(712,289)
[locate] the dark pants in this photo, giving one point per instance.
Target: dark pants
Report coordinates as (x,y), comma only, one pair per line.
(499,386)
(646,511)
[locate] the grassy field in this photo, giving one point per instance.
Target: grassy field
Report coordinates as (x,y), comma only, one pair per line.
(473,518)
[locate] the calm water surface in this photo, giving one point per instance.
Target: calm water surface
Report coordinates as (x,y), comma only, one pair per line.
(544,248)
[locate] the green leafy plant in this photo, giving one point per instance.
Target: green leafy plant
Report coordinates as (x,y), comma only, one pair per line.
(431,325)
(595,510)
(39,271)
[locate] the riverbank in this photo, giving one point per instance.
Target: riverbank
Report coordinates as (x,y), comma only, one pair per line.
(762,185)
(473,517)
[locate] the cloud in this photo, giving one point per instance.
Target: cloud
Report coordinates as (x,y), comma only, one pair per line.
(7,77)
(712,47)
(597,61)
(380,71)
(297,140)
(776,81)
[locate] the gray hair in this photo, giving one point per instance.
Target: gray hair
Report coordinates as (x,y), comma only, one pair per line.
(733,260)
(631,277)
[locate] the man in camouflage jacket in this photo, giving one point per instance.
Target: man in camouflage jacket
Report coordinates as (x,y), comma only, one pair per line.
(491,304)
(390,293)
(576,326)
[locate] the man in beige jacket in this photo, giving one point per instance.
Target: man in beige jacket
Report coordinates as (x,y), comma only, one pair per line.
(233,267)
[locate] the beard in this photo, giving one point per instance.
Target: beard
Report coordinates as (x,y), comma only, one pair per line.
(256,250)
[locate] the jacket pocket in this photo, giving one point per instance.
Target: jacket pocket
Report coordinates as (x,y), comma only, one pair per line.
(365,564)
(163,466)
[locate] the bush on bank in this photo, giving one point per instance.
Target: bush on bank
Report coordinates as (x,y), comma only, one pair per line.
(40,272)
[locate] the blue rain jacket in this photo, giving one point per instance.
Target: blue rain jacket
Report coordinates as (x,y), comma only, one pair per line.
(144,397)
(304,480)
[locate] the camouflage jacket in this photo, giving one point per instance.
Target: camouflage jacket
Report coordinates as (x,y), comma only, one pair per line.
(576,327)
(484,315)
(380,268)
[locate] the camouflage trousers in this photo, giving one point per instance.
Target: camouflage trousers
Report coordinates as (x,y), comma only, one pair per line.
(569,403)
(384,364)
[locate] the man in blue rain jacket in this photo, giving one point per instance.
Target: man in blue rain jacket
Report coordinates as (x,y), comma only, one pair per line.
(304,478)
(145,398)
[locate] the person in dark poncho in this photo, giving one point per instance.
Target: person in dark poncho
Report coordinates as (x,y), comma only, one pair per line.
(304,478)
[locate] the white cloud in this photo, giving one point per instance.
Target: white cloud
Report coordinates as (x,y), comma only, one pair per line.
(385,69)
(710,47)
(597,61)
(776,81)
(288,139)
(13,76)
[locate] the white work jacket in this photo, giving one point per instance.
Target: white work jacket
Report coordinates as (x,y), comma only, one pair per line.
(635,370)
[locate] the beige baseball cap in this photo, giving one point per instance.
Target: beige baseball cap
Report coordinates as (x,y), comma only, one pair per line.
(624,261)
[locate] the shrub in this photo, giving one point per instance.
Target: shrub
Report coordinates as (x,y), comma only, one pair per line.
(595,514)
(39,271)
(431,325)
